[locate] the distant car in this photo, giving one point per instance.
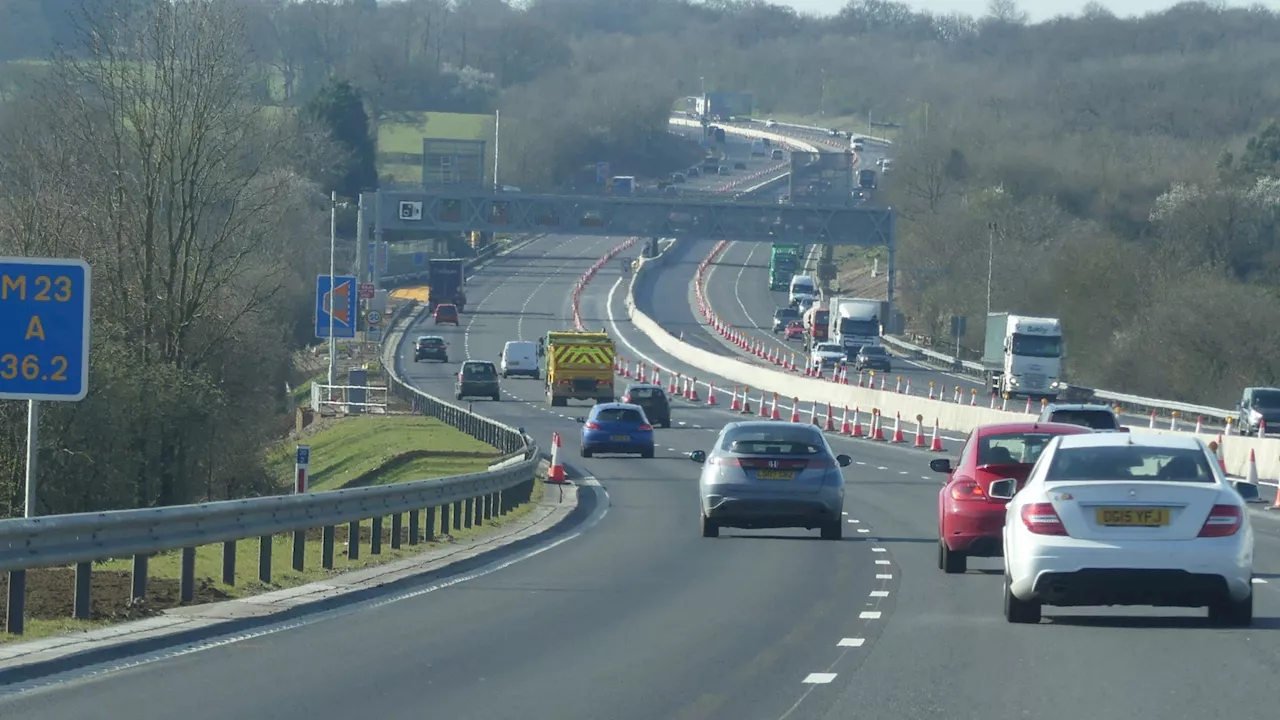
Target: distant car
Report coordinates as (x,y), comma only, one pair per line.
(724,170)
(826,355)
(764,474)
(872,357)
(693,172)
(620,428)
(969,520)
(677,177)
(1127,519)
(783,316)
(1096,417)
(1258,406)
(794,331)
(446,314)
(430,347)
(770,123)
(776,154)
(657,407)
(478,378)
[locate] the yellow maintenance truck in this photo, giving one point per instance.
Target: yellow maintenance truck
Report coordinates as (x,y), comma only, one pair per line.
(579,366)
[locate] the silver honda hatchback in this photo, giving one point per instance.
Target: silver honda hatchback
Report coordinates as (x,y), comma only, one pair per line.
(767,474)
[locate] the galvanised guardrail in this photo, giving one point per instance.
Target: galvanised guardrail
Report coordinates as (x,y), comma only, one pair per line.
(459,501)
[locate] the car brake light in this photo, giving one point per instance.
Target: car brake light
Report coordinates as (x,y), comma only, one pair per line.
(726,461)
(1223,521)
(626,398)
(822,463)
(1042,519)
(967,490)
(645,427)
(592,426)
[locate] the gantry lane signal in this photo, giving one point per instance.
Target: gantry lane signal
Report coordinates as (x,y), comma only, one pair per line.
(336,300)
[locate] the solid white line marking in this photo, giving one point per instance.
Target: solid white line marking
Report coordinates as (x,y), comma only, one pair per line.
(1259,581)
(850,642)
(903,472)
(883,562)
(819,678)
(863,530)
(859,462)
(878,550)
(884,577)
(869,615)
(879,593)
(854,521)
(842,512)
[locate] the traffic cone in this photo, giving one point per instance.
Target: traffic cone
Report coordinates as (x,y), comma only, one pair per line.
(734,405)
(795,410)
(936,444)
(1252,476)
(693,390)
(672,387)
(897,428)
(763,413)
(919,434)
(711,394)
(556,473)
(877,428)
(1199,424)
(746,404)
(1152,422)
(830,425)
(845,427)
(813,413)
(773,411)
(857,424)
(1028,410)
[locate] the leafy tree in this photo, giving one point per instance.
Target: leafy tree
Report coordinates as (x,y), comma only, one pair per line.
(339,109)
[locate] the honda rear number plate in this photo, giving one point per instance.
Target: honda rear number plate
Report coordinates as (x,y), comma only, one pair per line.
(1133,517)
(620,438)
(775,475)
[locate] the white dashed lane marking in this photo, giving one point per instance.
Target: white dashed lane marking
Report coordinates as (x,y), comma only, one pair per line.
(878,550)
(851,642)
(819,678)
(879,593)
(869,615)
(883,562)
(884,577)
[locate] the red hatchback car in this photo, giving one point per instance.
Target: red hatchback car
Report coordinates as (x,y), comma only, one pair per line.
(447,314)
(795,330)
(970,522)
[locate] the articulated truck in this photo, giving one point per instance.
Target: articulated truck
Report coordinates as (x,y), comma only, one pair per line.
(445,280)
(1022,356)
(856,322)
(784,262)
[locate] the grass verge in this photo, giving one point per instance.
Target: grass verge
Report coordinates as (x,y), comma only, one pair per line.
(49,590)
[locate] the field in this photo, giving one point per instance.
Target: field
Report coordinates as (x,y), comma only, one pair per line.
(363,450)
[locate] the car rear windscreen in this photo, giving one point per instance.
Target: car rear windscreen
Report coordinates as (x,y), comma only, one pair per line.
(773,441)
(430,342)
(622,415)
(1096,419)
(645,394)
(1130,463)
(479,371)
(1012,448)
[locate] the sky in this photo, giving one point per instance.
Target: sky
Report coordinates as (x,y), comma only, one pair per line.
(1037,9)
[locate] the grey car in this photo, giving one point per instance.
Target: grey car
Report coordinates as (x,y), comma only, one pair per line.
(1100,418)
(764,474)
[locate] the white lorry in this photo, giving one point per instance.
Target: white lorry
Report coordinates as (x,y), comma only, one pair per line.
(855,322)
(802,287)
(1022,356)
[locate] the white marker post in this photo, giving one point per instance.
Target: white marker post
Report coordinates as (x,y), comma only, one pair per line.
(301,465)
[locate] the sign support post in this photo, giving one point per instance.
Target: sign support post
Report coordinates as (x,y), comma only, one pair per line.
(33,457)
(301,465)
(333,241)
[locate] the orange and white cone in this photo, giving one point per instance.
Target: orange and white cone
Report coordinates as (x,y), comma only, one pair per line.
(897,428)
(919,434)
(734,405)
(813,413)
(845,427)
(830,425)
(795,410)
(693,390)
(556,473)
(936,444)
(711,394)
(857,424)
(773,411)
(763,412)
(877,425)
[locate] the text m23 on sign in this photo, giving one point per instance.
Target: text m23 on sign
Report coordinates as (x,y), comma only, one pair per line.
(44,328)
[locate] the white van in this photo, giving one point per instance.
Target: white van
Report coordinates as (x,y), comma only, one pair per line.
(802,286)
(520,357)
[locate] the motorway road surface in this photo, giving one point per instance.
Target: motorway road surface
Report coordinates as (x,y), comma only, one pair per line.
(642,619)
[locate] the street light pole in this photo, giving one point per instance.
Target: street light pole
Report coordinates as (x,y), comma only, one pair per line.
(991,257)
(333,242)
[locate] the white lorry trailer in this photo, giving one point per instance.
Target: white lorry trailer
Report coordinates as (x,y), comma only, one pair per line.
(1022,356)
(856,322)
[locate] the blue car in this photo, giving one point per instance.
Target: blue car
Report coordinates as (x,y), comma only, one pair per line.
(620,428)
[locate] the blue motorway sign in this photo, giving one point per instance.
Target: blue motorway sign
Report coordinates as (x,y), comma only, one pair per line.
(340,303)
(44,328)
(304,455)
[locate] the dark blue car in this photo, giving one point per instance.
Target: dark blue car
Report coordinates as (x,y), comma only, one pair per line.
(619,428)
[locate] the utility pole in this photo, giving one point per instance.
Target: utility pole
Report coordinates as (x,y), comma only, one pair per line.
(991,258)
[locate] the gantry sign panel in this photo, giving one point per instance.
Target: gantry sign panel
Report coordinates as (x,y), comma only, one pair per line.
(458,210)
